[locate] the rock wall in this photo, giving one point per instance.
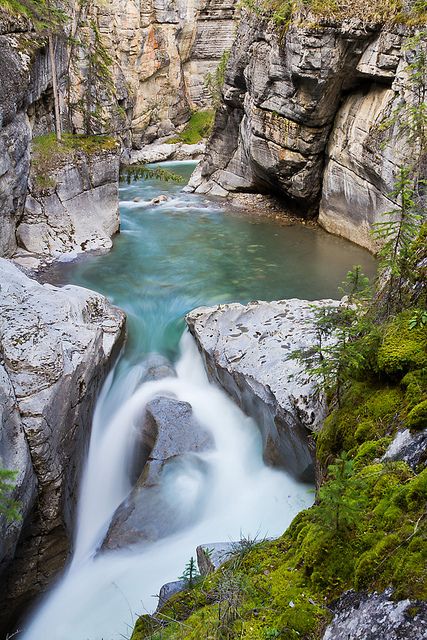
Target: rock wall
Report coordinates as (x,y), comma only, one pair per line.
(56,348)
(160,52)
(301,117)
(75,208)
(247,349)
(25,103)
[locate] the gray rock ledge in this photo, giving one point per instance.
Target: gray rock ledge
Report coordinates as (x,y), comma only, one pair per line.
(246,349)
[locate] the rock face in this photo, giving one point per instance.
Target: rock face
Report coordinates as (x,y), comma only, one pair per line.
(170,436)
(161,51)
(211,556)
(56,347)
(75,209)
(371,617)
(300,117)
(246,349)
(25,108)
(411,447)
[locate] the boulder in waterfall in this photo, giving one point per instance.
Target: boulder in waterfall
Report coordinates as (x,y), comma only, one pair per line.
(247,350)
(157,367)
(57,346)
(167,494)
(371,617)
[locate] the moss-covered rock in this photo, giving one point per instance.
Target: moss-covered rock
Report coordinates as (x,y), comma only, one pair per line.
(402,349)
(417,417)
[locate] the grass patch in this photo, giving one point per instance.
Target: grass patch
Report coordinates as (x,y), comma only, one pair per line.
(48,155)
(282,12)
(197,128)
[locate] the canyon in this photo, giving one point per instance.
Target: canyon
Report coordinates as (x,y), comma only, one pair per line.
(311,115)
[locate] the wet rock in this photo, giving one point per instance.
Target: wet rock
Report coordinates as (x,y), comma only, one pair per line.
(377,616)
(211,556)
(411,447)
(246,349)
(159,199)
(170,439)
(157,367)
(56,348)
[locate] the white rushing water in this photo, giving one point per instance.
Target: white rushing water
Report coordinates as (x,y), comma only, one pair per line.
(100,596)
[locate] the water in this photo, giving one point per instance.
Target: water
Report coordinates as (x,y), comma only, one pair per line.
(168,259)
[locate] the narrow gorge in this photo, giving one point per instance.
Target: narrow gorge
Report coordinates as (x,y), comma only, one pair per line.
(213,268)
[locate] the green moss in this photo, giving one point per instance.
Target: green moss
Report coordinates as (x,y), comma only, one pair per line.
(368,412)
(415,384)
(47,154)
(197,128)
(417,417)
(402,349)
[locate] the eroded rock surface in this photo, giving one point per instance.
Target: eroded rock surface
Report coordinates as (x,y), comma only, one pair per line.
(26,109)
(411,447)
(301,116)
(161,52)
(56,347)
(73,209)
(246,349)
(170,438)
(377,616)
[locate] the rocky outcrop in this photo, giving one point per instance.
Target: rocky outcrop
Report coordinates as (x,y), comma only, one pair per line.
(301,117)
(25,107)
(168,151)
(213,555)
(170,436)
(161,51)
(247,349)
(56,348)
(370,617)
(411,447)
(72,204)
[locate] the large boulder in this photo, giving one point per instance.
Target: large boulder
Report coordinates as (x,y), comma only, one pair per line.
(56,346)
(170,437)
(247,350)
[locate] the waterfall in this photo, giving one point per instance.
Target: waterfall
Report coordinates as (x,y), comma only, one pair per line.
(101,594)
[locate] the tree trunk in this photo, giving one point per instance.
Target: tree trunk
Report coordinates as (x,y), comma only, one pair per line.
(58,127)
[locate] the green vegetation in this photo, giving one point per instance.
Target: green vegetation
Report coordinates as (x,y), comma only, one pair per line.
(48,154)
(135,172)
(197,128)
(368,528)
(190,574)
(215,82)
(376,11)
(9,508)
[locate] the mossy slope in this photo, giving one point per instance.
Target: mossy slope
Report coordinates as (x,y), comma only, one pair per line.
(284,589)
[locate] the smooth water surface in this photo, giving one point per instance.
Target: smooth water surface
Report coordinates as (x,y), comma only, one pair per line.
(168,259)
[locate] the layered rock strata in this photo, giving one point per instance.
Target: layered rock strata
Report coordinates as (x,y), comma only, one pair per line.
(26,108)
(248,350)
(302,116)
(74,208)
(160,54)
(56,347)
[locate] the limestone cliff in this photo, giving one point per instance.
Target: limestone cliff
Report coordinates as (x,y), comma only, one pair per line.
(56,347)
(158,53)
(302,115)
(25,109)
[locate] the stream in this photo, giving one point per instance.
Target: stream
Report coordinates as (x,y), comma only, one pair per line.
(168,259)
